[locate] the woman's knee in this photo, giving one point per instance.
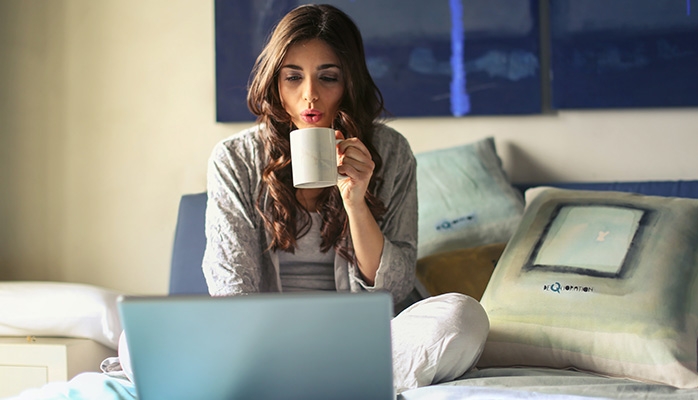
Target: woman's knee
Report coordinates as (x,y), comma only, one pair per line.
(438,339)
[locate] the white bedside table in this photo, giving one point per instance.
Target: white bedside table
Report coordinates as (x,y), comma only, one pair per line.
(27,363)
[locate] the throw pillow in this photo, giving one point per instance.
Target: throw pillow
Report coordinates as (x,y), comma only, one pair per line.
(465,271)
(605,282)
(465,198)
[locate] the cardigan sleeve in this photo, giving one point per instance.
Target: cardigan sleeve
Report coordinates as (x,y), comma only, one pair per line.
(232,261)
(398,191)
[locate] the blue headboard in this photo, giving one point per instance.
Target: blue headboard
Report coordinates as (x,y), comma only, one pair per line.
(651,188)
(186,276)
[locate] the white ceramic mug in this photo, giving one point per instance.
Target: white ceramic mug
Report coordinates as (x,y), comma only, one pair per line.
(314,158)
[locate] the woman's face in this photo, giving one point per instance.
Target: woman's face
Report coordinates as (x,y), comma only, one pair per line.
(311,84)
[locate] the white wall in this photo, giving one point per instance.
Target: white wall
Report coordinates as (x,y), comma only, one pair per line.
(577,146)
(107,116)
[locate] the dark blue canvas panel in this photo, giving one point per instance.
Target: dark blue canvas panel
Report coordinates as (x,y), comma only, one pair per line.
(455,57)
(624,53)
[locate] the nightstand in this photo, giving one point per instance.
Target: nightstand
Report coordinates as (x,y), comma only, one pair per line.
(33,362)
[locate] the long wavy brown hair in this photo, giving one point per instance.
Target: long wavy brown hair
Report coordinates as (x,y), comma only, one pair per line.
(361,105)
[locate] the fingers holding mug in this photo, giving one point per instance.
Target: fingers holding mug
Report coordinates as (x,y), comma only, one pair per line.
(356,164)
(354,159)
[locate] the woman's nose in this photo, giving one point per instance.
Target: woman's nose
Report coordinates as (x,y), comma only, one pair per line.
(309,93)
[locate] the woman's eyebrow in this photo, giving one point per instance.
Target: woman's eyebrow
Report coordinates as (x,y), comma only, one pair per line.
(292,66)
(319,68)
(328,66)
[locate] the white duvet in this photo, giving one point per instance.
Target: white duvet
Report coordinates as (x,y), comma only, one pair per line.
(494,383)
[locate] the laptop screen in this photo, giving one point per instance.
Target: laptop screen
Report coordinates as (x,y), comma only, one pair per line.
(319,345)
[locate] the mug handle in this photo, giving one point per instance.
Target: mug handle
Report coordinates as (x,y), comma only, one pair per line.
(339,176)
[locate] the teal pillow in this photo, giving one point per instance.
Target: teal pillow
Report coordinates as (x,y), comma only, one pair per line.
(605,282)
(465,198)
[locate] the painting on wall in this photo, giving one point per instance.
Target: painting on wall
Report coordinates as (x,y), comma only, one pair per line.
(624,53)
(438,58)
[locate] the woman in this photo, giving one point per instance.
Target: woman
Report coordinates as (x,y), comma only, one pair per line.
(263,235)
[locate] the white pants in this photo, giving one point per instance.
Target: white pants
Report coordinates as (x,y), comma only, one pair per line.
(437,339)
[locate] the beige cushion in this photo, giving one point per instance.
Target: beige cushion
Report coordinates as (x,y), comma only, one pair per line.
(605,282)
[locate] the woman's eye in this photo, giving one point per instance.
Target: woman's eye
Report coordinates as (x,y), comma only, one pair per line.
(329,78)
(292,78)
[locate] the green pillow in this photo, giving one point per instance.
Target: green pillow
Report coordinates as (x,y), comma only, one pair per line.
(465,198)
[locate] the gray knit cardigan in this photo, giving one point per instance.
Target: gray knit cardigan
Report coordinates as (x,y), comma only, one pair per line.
(236,260)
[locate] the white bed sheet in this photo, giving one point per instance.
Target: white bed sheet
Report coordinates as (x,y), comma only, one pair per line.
(545,383)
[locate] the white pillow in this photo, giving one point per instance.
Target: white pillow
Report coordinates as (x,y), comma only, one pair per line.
(59,309)
(437,339)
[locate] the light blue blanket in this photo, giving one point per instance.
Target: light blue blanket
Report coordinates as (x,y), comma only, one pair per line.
(85,386)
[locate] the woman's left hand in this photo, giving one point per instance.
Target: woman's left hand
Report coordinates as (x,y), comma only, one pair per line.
(356,164)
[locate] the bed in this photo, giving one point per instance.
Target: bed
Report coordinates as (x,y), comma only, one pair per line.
(591,288)
(462,241)
(570,317)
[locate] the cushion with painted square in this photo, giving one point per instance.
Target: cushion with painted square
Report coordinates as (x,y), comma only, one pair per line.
(605,282)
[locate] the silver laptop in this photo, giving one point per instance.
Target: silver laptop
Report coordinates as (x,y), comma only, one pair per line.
(328,346)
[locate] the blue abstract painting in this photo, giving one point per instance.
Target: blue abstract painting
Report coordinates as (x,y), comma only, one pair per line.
(438,58)
(624,53)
